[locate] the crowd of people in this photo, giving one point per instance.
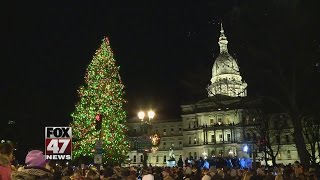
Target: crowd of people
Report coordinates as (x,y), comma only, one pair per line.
(38,168)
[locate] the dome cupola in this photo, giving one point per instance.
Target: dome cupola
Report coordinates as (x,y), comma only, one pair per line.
(226,79)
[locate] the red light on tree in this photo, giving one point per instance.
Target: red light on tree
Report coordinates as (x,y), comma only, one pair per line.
(98,117)
(98,122)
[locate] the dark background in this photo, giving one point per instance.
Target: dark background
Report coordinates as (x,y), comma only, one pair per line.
(165,50)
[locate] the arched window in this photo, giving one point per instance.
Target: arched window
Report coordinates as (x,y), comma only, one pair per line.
(289,154)
(141,158)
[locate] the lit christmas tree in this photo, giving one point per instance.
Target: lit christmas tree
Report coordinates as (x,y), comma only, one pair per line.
(100,115)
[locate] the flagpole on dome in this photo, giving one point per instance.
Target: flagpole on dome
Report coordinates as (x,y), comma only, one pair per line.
(223,42)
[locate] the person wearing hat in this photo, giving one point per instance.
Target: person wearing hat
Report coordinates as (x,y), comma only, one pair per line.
(35,167)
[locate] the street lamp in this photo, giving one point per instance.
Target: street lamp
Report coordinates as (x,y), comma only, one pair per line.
(245,148)
(141,115)
(252,150)
(146,127)
(205,155)
(150,113)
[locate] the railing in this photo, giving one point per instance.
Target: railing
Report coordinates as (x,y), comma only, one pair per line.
(215,125)
(171,134)
(209,143)
(167,134)
(167,148)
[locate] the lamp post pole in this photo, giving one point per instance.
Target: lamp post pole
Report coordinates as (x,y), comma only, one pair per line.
(254,163)
(251,149)
(145,128)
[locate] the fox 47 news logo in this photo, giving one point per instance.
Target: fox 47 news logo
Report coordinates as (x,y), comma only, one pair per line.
(58,143)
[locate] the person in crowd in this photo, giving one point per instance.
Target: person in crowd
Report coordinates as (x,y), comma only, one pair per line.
(233,174)
(132,174)
(66,178)
(212,171)
(92,175)
(147,174)
(117,172)
(166,174)
(157,173)
(206,164)
(125,173)
(317,171)
(219,175)
(67,172)
(35,169)
(6,156)
(260,173)
(76,175)
(179,174)
(57,174)
(297,169)
(227,173)
(269,175)
(180,162)
(148,177)
(247,175)
(108,172)
(278,173)
(206,174)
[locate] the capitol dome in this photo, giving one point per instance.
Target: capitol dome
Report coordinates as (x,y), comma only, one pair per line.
(225,64)
(226,78)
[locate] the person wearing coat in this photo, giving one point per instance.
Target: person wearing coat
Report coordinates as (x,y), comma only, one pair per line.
(34,169)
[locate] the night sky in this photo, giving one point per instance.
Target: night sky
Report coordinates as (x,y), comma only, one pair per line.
(165,51)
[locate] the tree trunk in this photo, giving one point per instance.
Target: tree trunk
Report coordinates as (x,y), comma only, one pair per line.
(273,158)
(300,142)
(266,159)
(318,143)
(313,158)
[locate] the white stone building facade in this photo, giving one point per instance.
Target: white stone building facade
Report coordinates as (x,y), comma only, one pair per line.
(171,133)
(216,126)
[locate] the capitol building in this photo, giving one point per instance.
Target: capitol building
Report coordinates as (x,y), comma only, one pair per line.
(219,126)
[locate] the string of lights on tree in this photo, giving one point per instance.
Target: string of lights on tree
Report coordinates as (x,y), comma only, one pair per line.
(99,115)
